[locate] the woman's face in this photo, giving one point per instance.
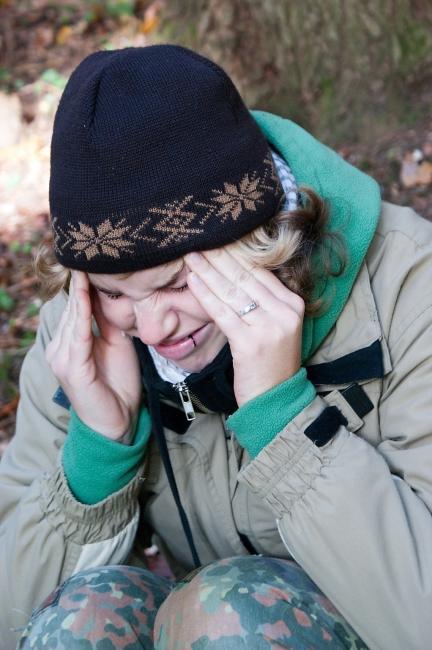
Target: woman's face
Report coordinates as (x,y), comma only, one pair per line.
(156,306)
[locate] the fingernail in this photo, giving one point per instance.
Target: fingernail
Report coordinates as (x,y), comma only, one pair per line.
(194,257)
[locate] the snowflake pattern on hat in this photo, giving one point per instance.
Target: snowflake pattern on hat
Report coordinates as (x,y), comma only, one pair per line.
(180,219)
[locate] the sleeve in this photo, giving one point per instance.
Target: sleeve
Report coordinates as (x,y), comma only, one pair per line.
(357,517)
(257,422)
(86,454)
(46,535)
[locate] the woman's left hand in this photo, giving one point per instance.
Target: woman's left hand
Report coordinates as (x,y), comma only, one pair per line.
(265,342)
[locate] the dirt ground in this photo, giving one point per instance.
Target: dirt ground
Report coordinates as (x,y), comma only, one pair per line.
(39,48)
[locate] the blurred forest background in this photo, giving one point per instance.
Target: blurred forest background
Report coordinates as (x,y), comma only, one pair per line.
(356,74)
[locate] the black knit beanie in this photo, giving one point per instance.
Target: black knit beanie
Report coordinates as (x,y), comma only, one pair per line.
(154,155)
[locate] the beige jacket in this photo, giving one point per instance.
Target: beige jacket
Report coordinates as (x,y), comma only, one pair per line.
(355,514)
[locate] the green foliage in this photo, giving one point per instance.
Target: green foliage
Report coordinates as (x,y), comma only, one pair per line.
(120,8)
(27,339)
(115,9)
(8,387)
(89,16)
(17,247)
(67,13)
(54,78)
(6,301)
(32,310)
(5,75)
(413,46)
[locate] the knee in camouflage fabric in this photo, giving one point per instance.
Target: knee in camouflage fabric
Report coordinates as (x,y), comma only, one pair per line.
(245,602)
(255,603)
(109,608)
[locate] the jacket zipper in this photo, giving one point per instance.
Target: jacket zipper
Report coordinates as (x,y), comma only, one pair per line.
(188,400)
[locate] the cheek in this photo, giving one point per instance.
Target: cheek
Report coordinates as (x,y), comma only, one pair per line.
(118,313)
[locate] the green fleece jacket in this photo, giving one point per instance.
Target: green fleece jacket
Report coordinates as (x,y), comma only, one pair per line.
(355,204)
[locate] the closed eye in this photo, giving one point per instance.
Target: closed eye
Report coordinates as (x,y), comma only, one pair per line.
(112,295)
(177,289)
(109,295)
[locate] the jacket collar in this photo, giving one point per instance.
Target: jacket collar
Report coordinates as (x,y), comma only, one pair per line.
(354,205)
(355,349)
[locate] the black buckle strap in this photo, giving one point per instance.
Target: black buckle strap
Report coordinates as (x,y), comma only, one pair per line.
(324,427)
(357,399)
(366,363)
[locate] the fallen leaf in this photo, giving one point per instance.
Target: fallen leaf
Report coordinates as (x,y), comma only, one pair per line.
(414,173)
(424,173)
(63,35)
(9,408)
(149,24)
(151,18)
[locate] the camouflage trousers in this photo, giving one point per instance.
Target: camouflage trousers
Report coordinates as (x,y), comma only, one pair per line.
(250,603)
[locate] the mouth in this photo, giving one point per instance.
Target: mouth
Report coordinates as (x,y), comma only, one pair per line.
(182,346)
(175,341)
(180,339)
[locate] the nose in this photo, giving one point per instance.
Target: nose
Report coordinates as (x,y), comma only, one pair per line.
(155,324)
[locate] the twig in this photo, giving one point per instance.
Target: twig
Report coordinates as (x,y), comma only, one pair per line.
(15,352)
(8,409)
(25,283)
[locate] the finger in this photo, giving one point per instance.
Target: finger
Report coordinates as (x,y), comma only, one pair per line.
(265,277)
(224,275)
(228,292)
(228,321)
(73,300)
(77,336)
(72,347)
(82,307)
(55,343)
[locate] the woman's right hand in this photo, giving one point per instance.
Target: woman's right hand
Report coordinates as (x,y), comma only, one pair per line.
(99,374)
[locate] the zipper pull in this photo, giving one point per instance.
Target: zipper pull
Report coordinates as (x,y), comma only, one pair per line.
(186,401)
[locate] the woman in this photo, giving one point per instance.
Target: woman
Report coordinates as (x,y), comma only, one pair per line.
(250,392)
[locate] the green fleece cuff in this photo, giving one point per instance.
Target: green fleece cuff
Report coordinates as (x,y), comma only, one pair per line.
(257,422)
(96,466)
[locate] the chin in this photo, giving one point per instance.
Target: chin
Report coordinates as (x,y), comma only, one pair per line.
(200,362)
(195,365)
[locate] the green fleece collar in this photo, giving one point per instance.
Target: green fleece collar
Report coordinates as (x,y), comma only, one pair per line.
(355,205)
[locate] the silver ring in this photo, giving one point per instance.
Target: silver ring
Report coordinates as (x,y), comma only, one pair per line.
(250,307)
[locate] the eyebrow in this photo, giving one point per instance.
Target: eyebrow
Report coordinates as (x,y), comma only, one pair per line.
(173,277)
(168,282)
